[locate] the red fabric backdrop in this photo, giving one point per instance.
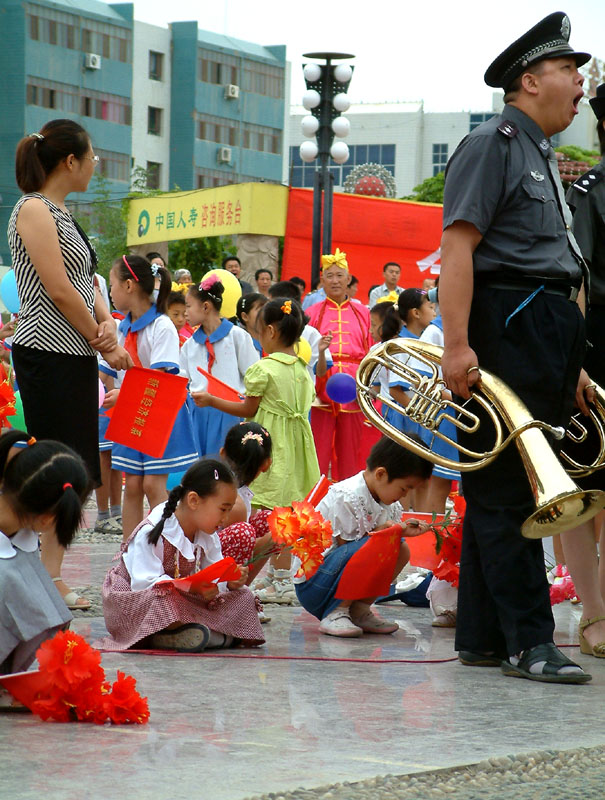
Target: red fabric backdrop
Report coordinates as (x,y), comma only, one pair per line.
(371,231)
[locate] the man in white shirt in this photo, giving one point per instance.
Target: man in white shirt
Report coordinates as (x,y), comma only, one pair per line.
(391,272)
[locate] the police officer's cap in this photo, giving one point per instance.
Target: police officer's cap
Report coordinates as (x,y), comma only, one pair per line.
(598,102)
(548,39)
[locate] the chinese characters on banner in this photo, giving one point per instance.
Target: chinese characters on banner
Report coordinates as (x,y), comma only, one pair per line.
(259,208)
(147,407)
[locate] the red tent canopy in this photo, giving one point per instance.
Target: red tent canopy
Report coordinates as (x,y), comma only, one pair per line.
(371,231)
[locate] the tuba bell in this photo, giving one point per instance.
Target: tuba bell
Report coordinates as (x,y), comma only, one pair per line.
(560,504)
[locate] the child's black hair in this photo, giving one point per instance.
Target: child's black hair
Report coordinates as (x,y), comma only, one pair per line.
(45,477)
(203,478)
(382,311)
(287,318)
(285,289)
(139,270)
(302,285)
(174,298)
(410,299)
(246,303)
(398,461)
(247,446)
(213,294)
(391,324)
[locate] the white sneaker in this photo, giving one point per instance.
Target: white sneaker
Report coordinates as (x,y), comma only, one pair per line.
(339,623)
(364,618)
(445,620)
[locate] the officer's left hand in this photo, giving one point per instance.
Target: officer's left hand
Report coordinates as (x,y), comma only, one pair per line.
(585,393)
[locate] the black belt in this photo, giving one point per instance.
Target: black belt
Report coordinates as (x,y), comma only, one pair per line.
(560,289)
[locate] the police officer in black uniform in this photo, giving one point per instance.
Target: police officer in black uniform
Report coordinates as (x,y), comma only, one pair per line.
(587,201)
(510,277)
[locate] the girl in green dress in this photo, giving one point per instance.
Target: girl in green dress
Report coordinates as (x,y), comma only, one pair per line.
(279,393)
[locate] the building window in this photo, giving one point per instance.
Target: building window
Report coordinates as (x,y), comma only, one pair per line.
(479,119)
(114,166)
(153,174)
(263,79)
(216,129)
(302,174)
(262,139)
(439,158)
(61,29)
(217,68)
(154,120)
(156,65)
(34,27)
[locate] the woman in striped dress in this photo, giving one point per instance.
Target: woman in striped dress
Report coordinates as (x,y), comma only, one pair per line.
(62,321)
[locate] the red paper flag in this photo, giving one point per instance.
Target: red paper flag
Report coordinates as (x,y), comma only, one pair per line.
(369,571)
(26,686)
(422,548)
(147,407)
(220,389)
(224,570)
(318,492)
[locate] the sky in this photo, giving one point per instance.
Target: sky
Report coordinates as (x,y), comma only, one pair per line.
(430,50)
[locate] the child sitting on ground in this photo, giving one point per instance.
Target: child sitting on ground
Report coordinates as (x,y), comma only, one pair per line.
(178,539)
(356,507)
(43,488)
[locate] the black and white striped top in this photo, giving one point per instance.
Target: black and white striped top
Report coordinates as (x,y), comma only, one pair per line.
(41,325)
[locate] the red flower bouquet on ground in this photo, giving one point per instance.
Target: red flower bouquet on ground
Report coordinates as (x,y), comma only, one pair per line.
(301,529)
(70,685)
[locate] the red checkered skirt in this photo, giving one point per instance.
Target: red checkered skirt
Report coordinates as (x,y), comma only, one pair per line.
(130,616)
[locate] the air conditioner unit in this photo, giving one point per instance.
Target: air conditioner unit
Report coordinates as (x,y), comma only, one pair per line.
(92,61)
(231,91)
(224,155)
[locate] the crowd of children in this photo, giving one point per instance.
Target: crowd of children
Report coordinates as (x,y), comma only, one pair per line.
(234,460)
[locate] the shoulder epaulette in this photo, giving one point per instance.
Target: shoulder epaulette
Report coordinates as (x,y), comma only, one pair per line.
(508,129)
(585,183)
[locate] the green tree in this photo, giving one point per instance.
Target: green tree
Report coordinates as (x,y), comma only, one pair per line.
(103,221)
(429,191)
(200,255)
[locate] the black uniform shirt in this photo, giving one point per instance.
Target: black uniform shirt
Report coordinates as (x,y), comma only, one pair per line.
(588,205)
(500,182)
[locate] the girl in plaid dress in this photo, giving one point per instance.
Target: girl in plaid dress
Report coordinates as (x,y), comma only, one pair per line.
(247,450)
(177,539)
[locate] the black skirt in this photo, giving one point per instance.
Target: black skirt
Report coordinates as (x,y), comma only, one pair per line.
(60,395)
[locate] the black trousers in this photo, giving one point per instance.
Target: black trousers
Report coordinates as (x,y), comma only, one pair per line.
(60,395)
(503,600)
(594,363)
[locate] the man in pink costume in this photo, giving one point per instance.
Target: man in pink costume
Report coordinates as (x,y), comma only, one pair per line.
(339,429)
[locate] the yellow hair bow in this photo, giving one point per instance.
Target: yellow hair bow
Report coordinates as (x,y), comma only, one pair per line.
(287,307)
(391,297)
(339,258)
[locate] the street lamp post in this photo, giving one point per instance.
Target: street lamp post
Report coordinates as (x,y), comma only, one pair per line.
(326,98)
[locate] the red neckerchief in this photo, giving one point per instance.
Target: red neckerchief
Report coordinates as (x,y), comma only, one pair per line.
(130,345)
(211,356)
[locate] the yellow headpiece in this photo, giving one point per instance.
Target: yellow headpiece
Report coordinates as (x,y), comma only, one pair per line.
(391,297)
(339,258)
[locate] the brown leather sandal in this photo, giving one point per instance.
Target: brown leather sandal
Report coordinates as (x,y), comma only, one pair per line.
(598,650)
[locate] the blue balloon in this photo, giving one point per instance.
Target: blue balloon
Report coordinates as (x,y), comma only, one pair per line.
(8,292)
(174,478)
(341,388)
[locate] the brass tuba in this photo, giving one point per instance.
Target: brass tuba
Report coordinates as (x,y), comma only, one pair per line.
(560,504)
(577,433)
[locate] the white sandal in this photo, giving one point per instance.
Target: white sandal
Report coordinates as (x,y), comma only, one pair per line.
(71,599)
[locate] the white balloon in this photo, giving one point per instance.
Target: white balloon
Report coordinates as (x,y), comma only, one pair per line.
(340,152)
(341,102)
(312,72)
(311,99)
(310,125)
(343,73)
(341,127)
(309,150)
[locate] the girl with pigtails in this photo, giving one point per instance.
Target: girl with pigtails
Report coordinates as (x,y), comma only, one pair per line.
(220,348)
(152,341)
(279,393)
(43,488)
(178,539)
